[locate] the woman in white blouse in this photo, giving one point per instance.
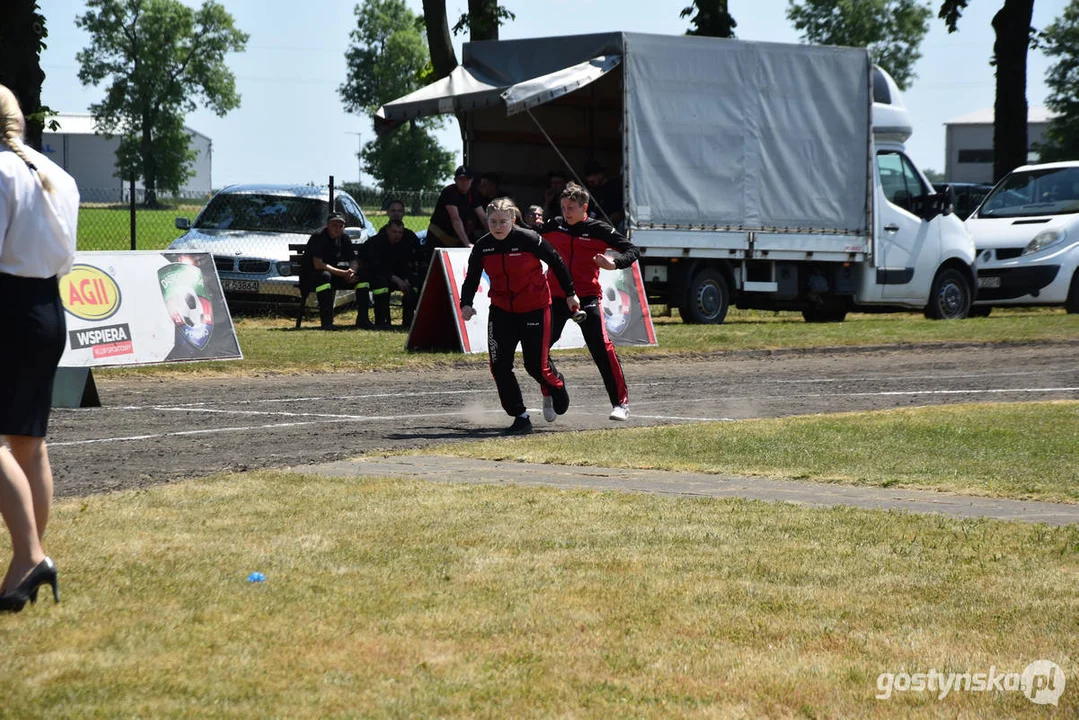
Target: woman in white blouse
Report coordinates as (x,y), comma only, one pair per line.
(39,209)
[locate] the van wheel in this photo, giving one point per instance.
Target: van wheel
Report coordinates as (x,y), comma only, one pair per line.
(1072,303)
(707,299)
(950,296)
(979,311)
(818,315)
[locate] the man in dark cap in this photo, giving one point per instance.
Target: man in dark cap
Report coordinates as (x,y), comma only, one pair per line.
(330,264)
(605,194)
(456,213)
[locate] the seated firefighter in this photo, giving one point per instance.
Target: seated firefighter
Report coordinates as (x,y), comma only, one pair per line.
(392,256)
(330,264)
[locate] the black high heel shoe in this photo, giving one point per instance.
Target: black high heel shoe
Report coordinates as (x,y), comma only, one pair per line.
(11,605)
(45,572)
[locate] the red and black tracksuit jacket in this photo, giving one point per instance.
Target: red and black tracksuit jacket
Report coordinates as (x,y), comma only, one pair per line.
(520,308)
(578,244)
(517,282)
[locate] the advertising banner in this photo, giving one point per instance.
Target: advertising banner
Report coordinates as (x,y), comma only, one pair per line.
(137,308)
(438,324)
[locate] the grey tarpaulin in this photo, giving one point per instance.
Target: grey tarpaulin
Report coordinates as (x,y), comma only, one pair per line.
(747,134)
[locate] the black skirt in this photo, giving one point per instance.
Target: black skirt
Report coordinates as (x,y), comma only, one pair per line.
(32,339)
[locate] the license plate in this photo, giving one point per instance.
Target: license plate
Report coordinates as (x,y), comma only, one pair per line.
(245,286)
(989,281)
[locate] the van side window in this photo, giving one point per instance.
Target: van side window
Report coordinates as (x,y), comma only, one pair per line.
(898,178)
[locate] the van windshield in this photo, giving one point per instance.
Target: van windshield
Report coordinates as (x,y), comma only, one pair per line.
(1048,191)
(268,213)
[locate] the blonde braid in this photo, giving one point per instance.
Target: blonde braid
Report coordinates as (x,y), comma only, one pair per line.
(11,130)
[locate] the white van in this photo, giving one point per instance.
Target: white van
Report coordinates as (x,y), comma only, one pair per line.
(1026,232)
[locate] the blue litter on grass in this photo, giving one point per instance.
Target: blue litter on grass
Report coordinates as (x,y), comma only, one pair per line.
(256,577)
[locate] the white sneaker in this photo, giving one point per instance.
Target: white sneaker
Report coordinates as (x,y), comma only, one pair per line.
(548,409)
(619,412)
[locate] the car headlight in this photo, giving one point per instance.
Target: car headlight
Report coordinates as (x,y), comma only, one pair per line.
(1043,240)
(284,268)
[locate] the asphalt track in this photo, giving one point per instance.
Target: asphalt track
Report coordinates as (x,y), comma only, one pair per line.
(153,430)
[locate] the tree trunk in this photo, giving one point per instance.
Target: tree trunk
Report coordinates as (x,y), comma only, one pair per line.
(443,58)
(149,171)
(483,20)
(20,68)
(1012,26)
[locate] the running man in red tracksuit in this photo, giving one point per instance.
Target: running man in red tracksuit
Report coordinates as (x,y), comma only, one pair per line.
(520,308)
(583,242)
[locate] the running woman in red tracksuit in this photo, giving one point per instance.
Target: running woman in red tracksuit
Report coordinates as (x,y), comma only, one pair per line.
(583,242)
(520,308)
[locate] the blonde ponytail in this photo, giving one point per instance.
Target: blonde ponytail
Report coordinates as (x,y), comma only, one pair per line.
(12,126)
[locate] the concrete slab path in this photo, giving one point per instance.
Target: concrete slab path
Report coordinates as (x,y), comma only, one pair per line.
(452,469)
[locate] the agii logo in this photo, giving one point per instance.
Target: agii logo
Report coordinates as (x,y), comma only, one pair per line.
(89,293)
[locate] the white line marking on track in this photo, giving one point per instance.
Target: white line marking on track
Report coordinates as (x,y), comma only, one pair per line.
(246,428)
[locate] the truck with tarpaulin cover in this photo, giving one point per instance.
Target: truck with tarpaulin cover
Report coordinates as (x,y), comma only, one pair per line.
(763,175)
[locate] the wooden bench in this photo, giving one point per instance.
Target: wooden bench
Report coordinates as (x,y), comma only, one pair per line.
(295,260)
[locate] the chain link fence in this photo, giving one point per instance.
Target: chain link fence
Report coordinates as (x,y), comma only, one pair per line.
(113,219)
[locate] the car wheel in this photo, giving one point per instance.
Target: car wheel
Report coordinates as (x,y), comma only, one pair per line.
(819,315)
(950,296)
(1072,303)
(707,299)
(980,311)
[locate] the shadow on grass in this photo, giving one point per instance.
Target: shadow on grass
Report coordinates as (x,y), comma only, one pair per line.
(449,434)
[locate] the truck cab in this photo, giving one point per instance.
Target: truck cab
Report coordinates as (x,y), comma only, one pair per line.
(921,249)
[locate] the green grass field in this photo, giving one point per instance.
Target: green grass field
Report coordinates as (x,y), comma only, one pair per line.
(395,598)
(271,345)
(1017,450)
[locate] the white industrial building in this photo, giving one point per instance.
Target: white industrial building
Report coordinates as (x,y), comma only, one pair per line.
(91,158)
(968,143)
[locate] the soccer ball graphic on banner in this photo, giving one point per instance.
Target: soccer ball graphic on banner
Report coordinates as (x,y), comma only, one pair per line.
(183,291)
(189,310)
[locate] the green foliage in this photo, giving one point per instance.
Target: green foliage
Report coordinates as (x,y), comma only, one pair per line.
(933,175)
(161,59)
(711,20)
(951,11)
(891,29)
(408,158)
(388,58)
(483,19)
(1061,40)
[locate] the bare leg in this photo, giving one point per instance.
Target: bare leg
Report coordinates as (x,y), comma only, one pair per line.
(17,506)
(33,458)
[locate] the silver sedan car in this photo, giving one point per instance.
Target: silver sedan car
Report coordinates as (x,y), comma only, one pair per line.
(248,228)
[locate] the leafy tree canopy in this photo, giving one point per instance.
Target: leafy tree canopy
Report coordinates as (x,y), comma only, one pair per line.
(1061,41)
(388,58)
(161,59)
(711,19)
(892,29)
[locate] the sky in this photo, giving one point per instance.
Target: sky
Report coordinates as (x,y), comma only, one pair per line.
(291,125)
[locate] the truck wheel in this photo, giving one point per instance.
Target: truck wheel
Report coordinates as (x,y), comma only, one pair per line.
(820,315)
(979,311)
(950,297)
(707,299)
(1072,303)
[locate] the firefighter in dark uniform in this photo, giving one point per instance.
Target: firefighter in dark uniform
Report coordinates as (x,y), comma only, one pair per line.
(392,258)
(330,264)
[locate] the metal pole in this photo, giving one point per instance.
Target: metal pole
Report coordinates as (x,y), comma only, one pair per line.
(132,191)
(359,158)
(331,193)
